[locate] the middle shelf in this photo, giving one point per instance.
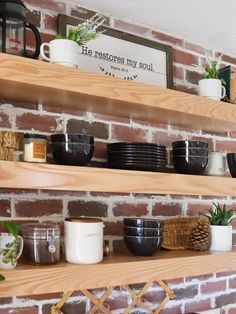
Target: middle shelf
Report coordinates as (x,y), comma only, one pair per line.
(22,175)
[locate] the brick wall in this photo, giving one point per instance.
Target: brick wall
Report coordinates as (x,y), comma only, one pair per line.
(193,294)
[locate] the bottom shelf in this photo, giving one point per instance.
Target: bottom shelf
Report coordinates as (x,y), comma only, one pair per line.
(115,270)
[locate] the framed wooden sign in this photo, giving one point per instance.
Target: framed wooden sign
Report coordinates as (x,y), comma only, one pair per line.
(119,54)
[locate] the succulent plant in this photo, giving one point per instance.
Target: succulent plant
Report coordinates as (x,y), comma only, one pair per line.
(219,216)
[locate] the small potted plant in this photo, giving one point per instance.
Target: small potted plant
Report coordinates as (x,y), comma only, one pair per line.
(221,229)
(65,50)
(211,85)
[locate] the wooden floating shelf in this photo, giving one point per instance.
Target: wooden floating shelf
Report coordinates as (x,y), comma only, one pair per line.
(23,175)
(23,79)
(28,280)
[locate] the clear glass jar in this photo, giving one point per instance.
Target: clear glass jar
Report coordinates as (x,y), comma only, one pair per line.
(41,243)
(35,147)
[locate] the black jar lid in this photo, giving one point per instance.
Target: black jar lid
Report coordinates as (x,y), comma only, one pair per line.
(39,136)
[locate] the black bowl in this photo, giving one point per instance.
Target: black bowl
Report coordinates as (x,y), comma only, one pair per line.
(231,160)
(190,165)
(143,246)
(143,232)
(143,222)
(72,137)
(75,154)
(193,151)
(183,144)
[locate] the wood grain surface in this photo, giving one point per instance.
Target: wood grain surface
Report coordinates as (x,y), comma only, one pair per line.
(28,280)
(56,177)
(36,81)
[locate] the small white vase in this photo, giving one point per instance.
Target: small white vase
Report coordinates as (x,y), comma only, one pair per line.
(211,88)
(221,238)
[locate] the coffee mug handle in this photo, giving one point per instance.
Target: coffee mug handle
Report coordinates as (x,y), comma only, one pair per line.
(42,54)
(223,91)
(21,247)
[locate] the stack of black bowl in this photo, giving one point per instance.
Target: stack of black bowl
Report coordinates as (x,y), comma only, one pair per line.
(137,156)
(231,160)
(72,149)
(143,236)
(190,157)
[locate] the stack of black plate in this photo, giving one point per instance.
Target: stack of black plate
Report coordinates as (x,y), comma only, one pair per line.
(137,156)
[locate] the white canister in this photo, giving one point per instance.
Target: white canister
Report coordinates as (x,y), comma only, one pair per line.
(221,238)
(84,240)
(216,164)
(10,250)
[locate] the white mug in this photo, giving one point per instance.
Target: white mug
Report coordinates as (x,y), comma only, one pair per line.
(211,88)
(84,240)
(61,51)
(10,250)
(216,164)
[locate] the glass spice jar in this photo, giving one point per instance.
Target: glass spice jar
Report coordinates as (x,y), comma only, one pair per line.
(35,147)
(41,243)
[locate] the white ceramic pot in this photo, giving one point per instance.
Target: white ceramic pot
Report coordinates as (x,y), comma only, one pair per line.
(221,238)
(84,240)
(10,250)
(216,164)
(61,51)
(211,88)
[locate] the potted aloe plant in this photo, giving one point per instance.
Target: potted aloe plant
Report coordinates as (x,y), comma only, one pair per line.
(221,229)
(211,85)
(64,50)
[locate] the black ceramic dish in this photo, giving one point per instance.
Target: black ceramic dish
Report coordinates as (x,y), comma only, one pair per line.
(190,151)
(183,144)
(72,137)
(120,145)
(140,246)
(231,160)
(190,165)
(144,222)
(138,153)
(143,232)
(76,154)
(137,160)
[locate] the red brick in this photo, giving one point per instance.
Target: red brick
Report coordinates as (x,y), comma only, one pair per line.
(228,59)
(130,209)
(125,133)
(62,193)
(154,296)
(175,281)
(131,28)
(33,17)
(21,310)
(185,89)
(172,209)
(30,38)
(212,287)
(202,305)
(39,297)
(232,310)
(199,278)
(172,310)
(183,57)
(117,302)
(120,247)
(70,111)
(99,116)
(195,48)
(52,5)
(164,138)
(178,72)
(226,146)
(87,208)
(232,283)
(96,129)
(108,194)
(114,228)
(167,38)
(5,208)
(193,77)
(50,22)
(225,274)
(43,123)
(186,292)
(68,308)
(195,209)
(5,301)
(226,299)
(149,124)
(100,150)
(5,121)
(34,208)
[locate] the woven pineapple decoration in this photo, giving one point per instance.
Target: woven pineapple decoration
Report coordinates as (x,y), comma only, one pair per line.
(200,236)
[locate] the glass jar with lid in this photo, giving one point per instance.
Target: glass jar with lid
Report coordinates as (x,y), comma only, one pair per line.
(35,147)
(41,243)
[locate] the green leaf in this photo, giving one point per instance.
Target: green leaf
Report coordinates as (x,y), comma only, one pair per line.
(219,215)
(2,278)
(12,228)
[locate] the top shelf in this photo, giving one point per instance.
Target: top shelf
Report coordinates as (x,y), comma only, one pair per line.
(30,80)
